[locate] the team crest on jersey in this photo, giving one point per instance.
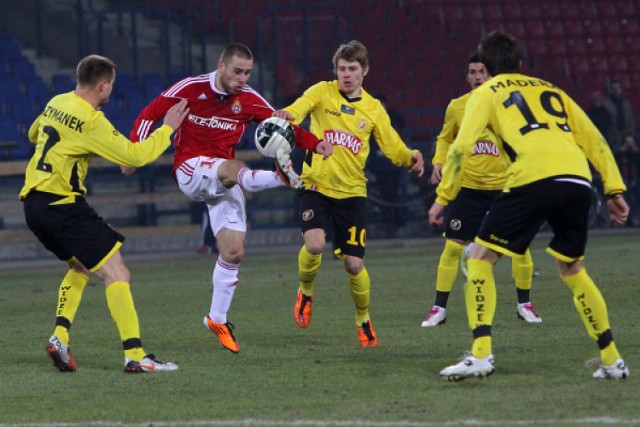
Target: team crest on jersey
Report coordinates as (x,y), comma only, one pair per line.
(307,215)
(455,224)
(485,146)
(236,107)
(362,123)
(344,139)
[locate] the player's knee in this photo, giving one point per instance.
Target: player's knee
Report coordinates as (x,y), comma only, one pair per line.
(353,265)
(315,247)
(233,255)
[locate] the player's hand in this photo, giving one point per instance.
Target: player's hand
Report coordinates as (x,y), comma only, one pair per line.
(436,174)
(176,114)
(618,209)
(325,148)
(283,114)
(418,163)
(435,214)
(126,170)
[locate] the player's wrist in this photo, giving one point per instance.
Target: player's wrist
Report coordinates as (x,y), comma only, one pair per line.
(613,196)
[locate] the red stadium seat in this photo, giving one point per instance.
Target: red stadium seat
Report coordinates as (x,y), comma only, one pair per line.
(513,12)
(606,9)
(587,9)
(633,64)
(577,65)
(516,29)
(557,47)
(534,28)
(613,44)
(536,48)
(631,45)
(629,26)
(573,27)
(598,65)
(575,46)
(594,46)
(591,27)
(568,10)
(610,26)
(627,7)
(617,64)
(531,10)
(554,28)
(492,12)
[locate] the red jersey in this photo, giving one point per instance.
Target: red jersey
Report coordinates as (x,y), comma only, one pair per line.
(216,120)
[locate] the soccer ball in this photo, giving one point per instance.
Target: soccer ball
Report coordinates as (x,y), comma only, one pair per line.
(273,134)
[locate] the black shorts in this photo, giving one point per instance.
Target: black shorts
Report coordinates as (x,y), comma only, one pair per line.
(516,217)
(464,215)
(71,229)
(346,216)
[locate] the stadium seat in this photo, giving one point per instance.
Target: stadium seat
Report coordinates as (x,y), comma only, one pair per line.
(617,64)
(557,47)
(591,27)
(534,28)
(536,48)
(575,46)
(613,44)
(610,26)
(626,7)
(631,45)
(629,26)
(587,9)
(492,12)
(598,65)
(62,83)
(512,12)
(606,9)
(568,10)
(577,65)
(554,28)
(573,27)
(594,46)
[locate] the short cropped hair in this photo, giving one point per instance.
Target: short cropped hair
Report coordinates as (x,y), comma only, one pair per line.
(500,52)
(235,49)
(94,68)
(352,51)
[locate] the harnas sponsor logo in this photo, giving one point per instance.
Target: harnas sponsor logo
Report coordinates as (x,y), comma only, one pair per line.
(484,146)
(214,122)
(343,139)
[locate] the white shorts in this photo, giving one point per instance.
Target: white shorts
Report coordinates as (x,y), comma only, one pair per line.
(198,180)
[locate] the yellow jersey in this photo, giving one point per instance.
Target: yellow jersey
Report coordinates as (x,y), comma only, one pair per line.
(67,135)
(487,166)
(542,130)
(347,123)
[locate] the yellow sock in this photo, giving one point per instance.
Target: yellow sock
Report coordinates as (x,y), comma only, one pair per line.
(593,312)
(522,270)
(480,297)
(123,312)
(308,266)
(359,286)
(69,297)
(448,266)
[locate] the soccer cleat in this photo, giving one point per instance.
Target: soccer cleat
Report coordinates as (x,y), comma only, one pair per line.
(437,316)
(617,371)
(367,335)
(284,169)
(302,310)
(527,312)
(469,366)
(61,355)
(224,333)
(148,364)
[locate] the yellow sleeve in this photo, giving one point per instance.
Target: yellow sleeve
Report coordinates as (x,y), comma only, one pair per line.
(33,131)
(107,142)
(446,136)
(475,120)
(595,148)
(390,142)
(306,104)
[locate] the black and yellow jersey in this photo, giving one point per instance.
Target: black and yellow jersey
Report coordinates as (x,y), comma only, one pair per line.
(542,130)
(67,135)
(347,123)
(487,166)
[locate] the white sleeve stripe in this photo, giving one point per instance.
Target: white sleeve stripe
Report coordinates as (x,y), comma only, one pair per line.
(171,92)
(143,129)
(251,90)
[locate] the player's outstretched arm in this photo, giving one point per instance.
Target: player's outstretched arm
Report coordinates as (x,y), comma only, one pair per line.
(283,114)
(618,209)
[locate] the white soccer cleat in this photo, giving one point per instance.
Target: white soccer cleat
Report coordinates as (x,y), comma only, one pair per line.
(148,364)
(437,316)
(284,169)
(617,371)
(527,312)
(469,366)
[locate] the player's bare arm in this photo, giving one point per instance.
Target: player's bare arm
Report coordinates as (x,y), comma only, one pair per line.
(283,114)
(325,148)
